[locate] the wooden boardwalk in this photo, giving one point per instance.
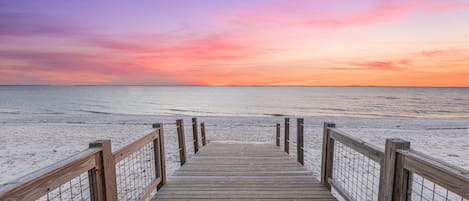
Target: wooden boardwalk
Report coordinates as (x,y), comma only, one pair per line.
(222,171)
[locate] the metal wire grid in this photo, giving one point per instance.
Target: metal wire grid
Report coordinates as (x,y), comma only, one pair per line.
(77,189)
(425,190)
(355,173)
(135,173)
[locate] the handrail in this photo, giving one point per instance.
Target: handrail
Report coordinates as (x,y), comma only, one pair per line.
(453,178)
(36,184)
(361,146)
(134,146)
(97,164)
(397,165)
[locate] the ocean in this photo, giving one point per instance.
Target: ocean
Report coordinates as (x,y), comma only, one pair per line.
(40,125)
(237,101)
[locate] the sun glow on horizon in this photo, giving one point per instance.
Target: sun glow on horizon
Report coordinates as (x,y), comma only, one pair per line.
(261,42)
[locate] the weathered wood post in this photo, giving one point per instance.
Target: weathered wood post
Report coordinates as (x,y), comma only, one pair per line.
(181,140)
(202,131)
(195,135)
(160,161)
(327,155)
(277,138)
(393,177)
(105,173)
(287,135)
(299,138)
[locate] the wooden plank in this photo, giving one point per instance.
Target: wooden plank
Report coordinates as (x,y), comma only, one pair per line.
(277,137)
(207,176)
(202,131)
(181,141)
(161,157)
(388,168)
(287,135)
(195,135)
(38,183)
(299,138)
(454,179)
(106,169)
(402,180)
(358,145)
(325,157)
(154,184)
(134,146)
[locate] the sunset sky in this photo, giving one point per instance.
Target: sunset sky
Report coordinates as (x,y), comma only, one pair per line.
(235,42)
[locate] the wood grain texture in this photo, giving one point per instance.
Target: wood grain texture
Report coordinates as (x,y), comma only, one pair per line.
(222,171)
(106,169)
(277,136)
(287,135)
(326,159)
(388,168)
(134,146)
(195,135)
(299,139)
(181,141)
(202,132)
(356,144)
(38,183)
(161,156)
(446,175)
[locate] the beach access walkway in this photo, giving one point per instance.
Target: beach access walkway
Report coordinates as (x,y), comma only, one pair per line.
(221,171)
(352,168)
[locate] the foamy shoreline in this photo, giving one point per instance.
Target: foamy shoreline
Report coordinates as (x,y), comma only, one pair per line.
(30,142)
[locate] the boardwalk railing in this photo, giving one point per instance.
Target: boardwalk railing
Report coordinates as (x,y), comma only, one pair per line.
(349,165)
(360,171)
(182,138)
(426,178)
(133,172)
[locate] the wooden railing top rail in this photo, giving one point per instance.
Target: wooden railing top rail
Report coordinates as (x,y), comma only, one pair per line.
(134,146)
(357,144)
(38,183)
(453,178)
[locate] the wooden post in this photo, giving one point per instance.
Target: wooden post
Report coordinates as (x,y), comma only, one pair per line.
(388,170)
(202,131)
(327,155)
(287,135)
(195,135)
(181,140)
(277,138)
(299,138)
(160,161)
(402,190)
(96,191)
(106,185)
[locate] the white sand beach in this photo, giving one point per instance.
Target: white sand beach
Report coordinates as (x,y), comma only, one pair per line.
(30,142)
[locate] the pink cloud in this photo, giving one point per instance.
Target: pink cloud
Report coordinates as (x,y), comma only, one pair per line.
(378,65)
(312,14)
(448,6)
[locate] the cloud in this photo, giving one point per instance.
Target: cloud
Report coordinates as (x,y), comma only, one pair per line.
(27,24)
(314,14)
(445,53)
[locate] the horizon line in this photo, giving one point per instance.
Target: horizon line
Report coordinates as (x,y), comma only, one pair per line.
(194,85)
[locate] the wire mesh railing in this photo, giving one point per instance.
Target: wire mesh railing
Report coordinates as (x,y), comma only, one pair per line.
(72,179)
(432,179)
(77,188)
(426,190)
(136,173)
(352,167)
(355,173)
(140,167)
